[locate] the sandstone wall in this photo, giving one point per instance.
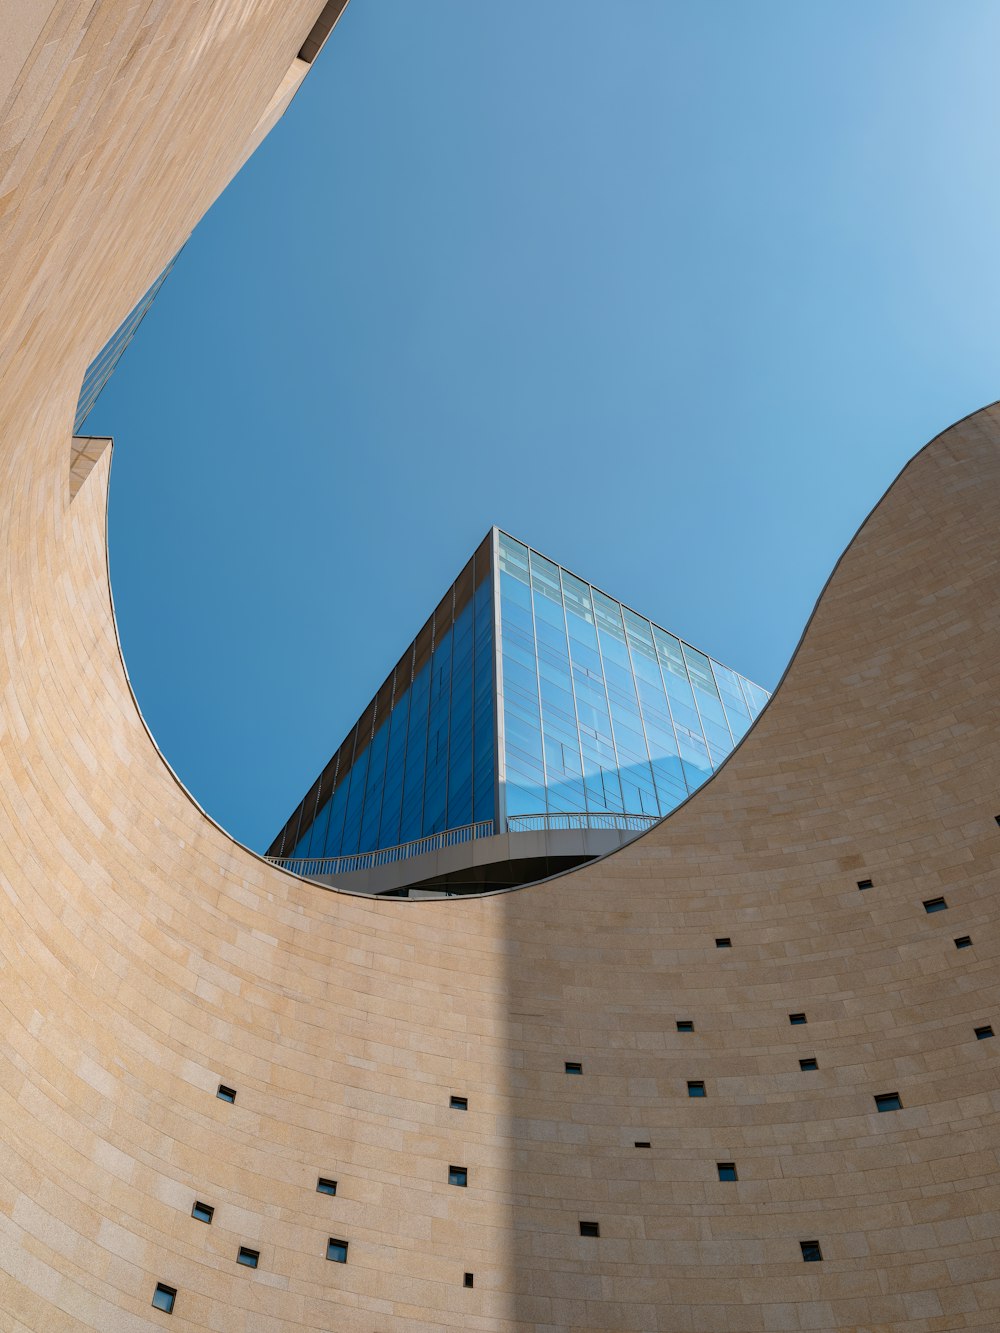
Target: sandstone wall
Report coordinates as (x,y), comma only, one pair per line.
(145,958)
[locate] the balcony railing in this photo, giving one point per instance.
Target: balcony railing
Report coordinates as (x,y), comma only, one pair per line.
(581,820)
(311,866)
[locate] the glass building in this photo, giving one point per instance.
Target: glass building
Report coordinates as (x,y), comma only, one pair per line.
(103,365)
(530,703)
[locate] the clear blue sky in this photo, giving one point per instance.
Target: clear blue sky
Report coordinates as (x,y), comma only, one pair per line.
(670,290)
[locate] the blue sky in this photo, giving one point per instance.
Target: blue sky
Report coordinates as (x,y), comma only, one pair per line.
(670,290)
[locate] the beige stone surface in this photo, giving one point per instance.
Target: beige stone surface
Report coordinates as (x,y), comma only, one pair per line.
(145,958)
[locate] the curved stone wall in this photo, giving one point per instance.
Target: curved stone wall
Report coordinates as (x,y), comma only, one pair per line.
(145,958)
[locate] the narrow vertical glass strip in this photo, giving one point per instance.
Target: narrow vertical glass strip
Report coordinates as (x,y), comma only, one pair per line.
(602,787)
(560,733)
(523,753)
(416,753)
(374,784)
(460,768)
(438,726)
(635,774)
(486,759)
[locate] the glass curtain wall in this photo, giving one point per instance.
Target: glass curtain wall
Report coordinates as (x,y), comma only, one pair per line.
(103,365)
(593,710)
(422,758)
(602,710)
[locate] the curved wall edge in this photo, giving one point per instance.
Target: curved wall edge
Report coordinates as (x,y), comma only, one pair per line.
(146,959)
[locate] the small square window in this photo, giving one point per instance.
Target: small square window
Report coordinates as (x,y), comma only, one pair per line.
(247,1257)
(796,1020)
(727,1170)
(164,1297)
(226,1094)
(811,1252)
(696,1089)
(458,1175)
(984,1032)
(963,942)
(865,884)
(934,905)
(574,1067)
(643,1143)
(997,818)
(202,1212)
(468,1280)
(724,942)
(888,1101)
(685,1025)
(808,1063)
(459,1103)
(590,1228)
(325,1186)
(336,1251)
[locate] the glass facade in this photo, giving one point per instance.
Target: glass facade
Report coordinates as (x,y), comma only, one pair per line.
(422,758)
(102,367)
(528,693)
(603,711)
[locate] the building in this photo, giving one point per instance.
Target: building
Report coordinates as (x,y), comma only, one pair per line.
(106,361)
(533,724)
(207,1063)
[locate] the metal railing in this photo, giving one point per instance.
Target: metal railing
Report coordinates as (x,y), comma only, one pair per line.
(581,820)
(309,866)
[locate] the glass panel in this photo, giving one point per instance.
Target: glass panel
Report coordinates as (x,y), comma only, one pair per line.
(416,754)
(459,795)
(372,812)
(394,766)
(355,801)
(484,723)
(755,696)
(338,808)
(561,738)
(438,727)
(317,842)
(603,711)
(523,748)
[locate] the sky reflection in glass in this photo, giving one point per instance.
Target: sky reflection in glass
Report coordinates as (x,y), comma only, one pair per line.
(538,696)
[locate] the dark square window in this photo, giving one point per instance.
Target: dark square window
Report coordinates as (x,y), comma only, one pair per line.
(467,1280)
(888,1101)
(997,818)
(984,1032)
(324,1186)
(727,1170)
(934,905)
(247,1257)
(963,942)
(724,942)
(696,1089)
(796,1020)
(643,1143)
(458,1175)
(685,1025)
(865,884)
(808,1063)
(574,1067)
(459,1103)
(336,1251)
(164,1297)
(226,1094)
(811,1252)
(590,1228)
(202,1212)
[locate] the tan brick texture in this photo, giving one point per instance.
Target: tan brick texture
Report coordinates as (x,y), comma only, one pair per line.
(145,958)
